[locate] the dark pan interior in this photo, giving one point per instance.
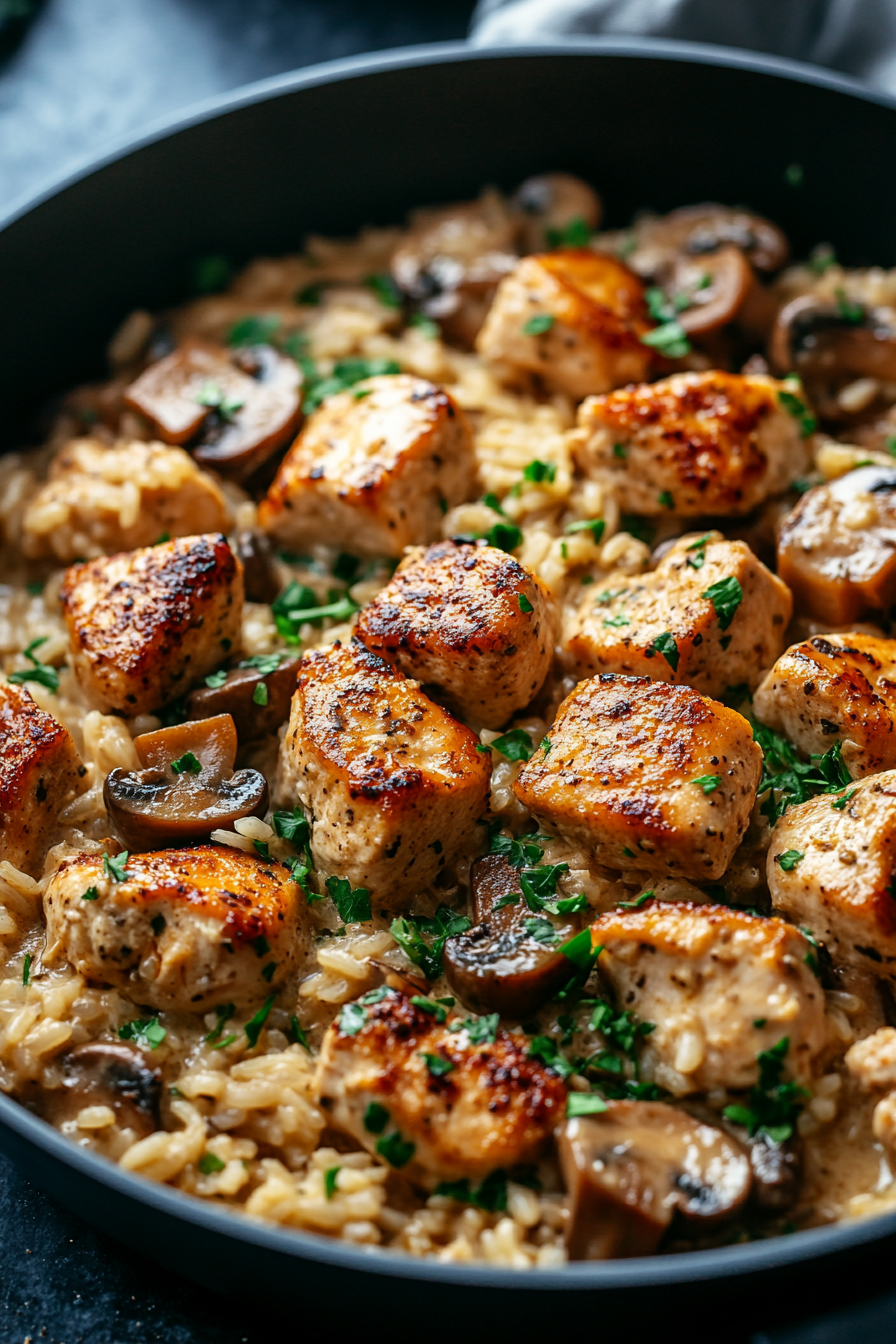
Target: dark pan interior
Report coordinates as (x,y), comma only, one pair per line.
(363,141)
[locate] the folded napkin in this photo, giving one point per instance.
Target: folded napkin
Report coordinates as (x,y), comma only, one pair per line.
(856,37)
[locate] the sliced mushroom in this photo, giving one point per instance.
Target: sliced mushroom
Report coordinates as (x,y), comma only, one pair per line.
(715,287)
(453,259)
(187,787)
(106,1073)
(837,548)
(777,1169)
(234,408)
(259,567)
(831,347)
(550,205)
(499,966)
(254,715)
(629,1169)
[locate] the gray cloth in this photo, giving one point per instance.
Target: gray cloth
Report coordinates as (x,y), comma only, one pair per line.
(856,37)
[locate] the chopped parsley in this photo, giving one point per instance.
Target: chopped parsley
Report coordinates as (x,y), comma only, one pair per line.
(539,885)
(254,1025)
(726,596)
(376,1118)
(425,325)
(539,471)
(210,1163)
(596,526)
(91,894)
(330,1177)
(297,1034)
(525,605)
(386,290)
(574,233)
(515,745)
(482,1030)
(297,604)
(42,673)
(346,373)
(213,396)
(353,905)
(580,952)
(26,968)
(546,1049)
(188,764)
(114,868)
(669,339)
(519,853)
(620,1029)
(542,931)
(789,859)
(215,680)
(395,1150)
(665,500)
(584,1103)
(637,902)
(224,1013)
(850,312)
(698,559)
(772,1105)
(708,783)
(504,537)
(838,804)
(491,1194)
(437,1008)
(436,1065)
(538,325)
(620,451)
(618,620)
(821,259)
(786,779)
(254,330)
(147,1032)
(293,826)
(408,934)
(665,644)
(795,406)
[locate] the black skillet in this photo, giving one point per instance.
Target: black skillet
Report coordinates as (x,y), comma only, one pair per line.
(652,125)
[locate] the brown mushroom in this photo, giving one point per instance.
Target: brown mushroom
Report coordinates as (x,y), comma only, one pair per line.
(715,286)
(260,576)
(552,205)
(186,789)
(509,962)
(831,346)
(233,408)
(105,1073)
(777,1168)
(837,547)
(452,260)
(630,1169)
(255,714)
(697,230)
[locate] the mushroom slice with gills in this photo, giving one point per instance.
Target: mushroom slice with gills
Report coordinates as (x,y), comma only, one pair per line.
(831,346)
(105,1073)
(556,208)
(255,713)
(509,962)
(777,1168)
(631,1168)
(697,230)
(837,547)
(715,287)
(233,408)
(186,789)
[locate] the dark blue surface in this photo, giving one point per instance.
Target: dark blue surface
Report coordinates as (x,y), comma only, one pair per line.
(89,72)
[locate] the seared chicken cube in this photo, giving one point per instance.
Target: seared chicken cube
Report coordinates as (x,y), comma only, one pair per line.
(146,624)
(394,785)
(692,444)
(98,500)
(470,620)
(39,771)
(836,688)
(837,548)
(427,1099)
(646,776)
(178,929)
(234,407)
(710,616)
(574,318)
(830,867)
(373,470)
(719,985)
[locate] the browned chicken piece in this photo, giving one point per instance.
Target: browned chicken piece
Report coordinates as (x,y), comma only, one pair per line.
(452,258)
(373,470)
(511,961)
(574,318)
(719,985)
(647,776)
(146,624)
(632,1167)
(98,500)
(469,620)
(710,616)
(692,444)
(423,1096)
(394,785)
(234,407)
(183,929)
(837,549)
(830,867)
(39,771)
(835,688)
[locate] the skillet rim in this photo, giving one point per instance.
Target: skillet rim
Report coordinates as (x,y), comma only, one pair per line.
(720,1263)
